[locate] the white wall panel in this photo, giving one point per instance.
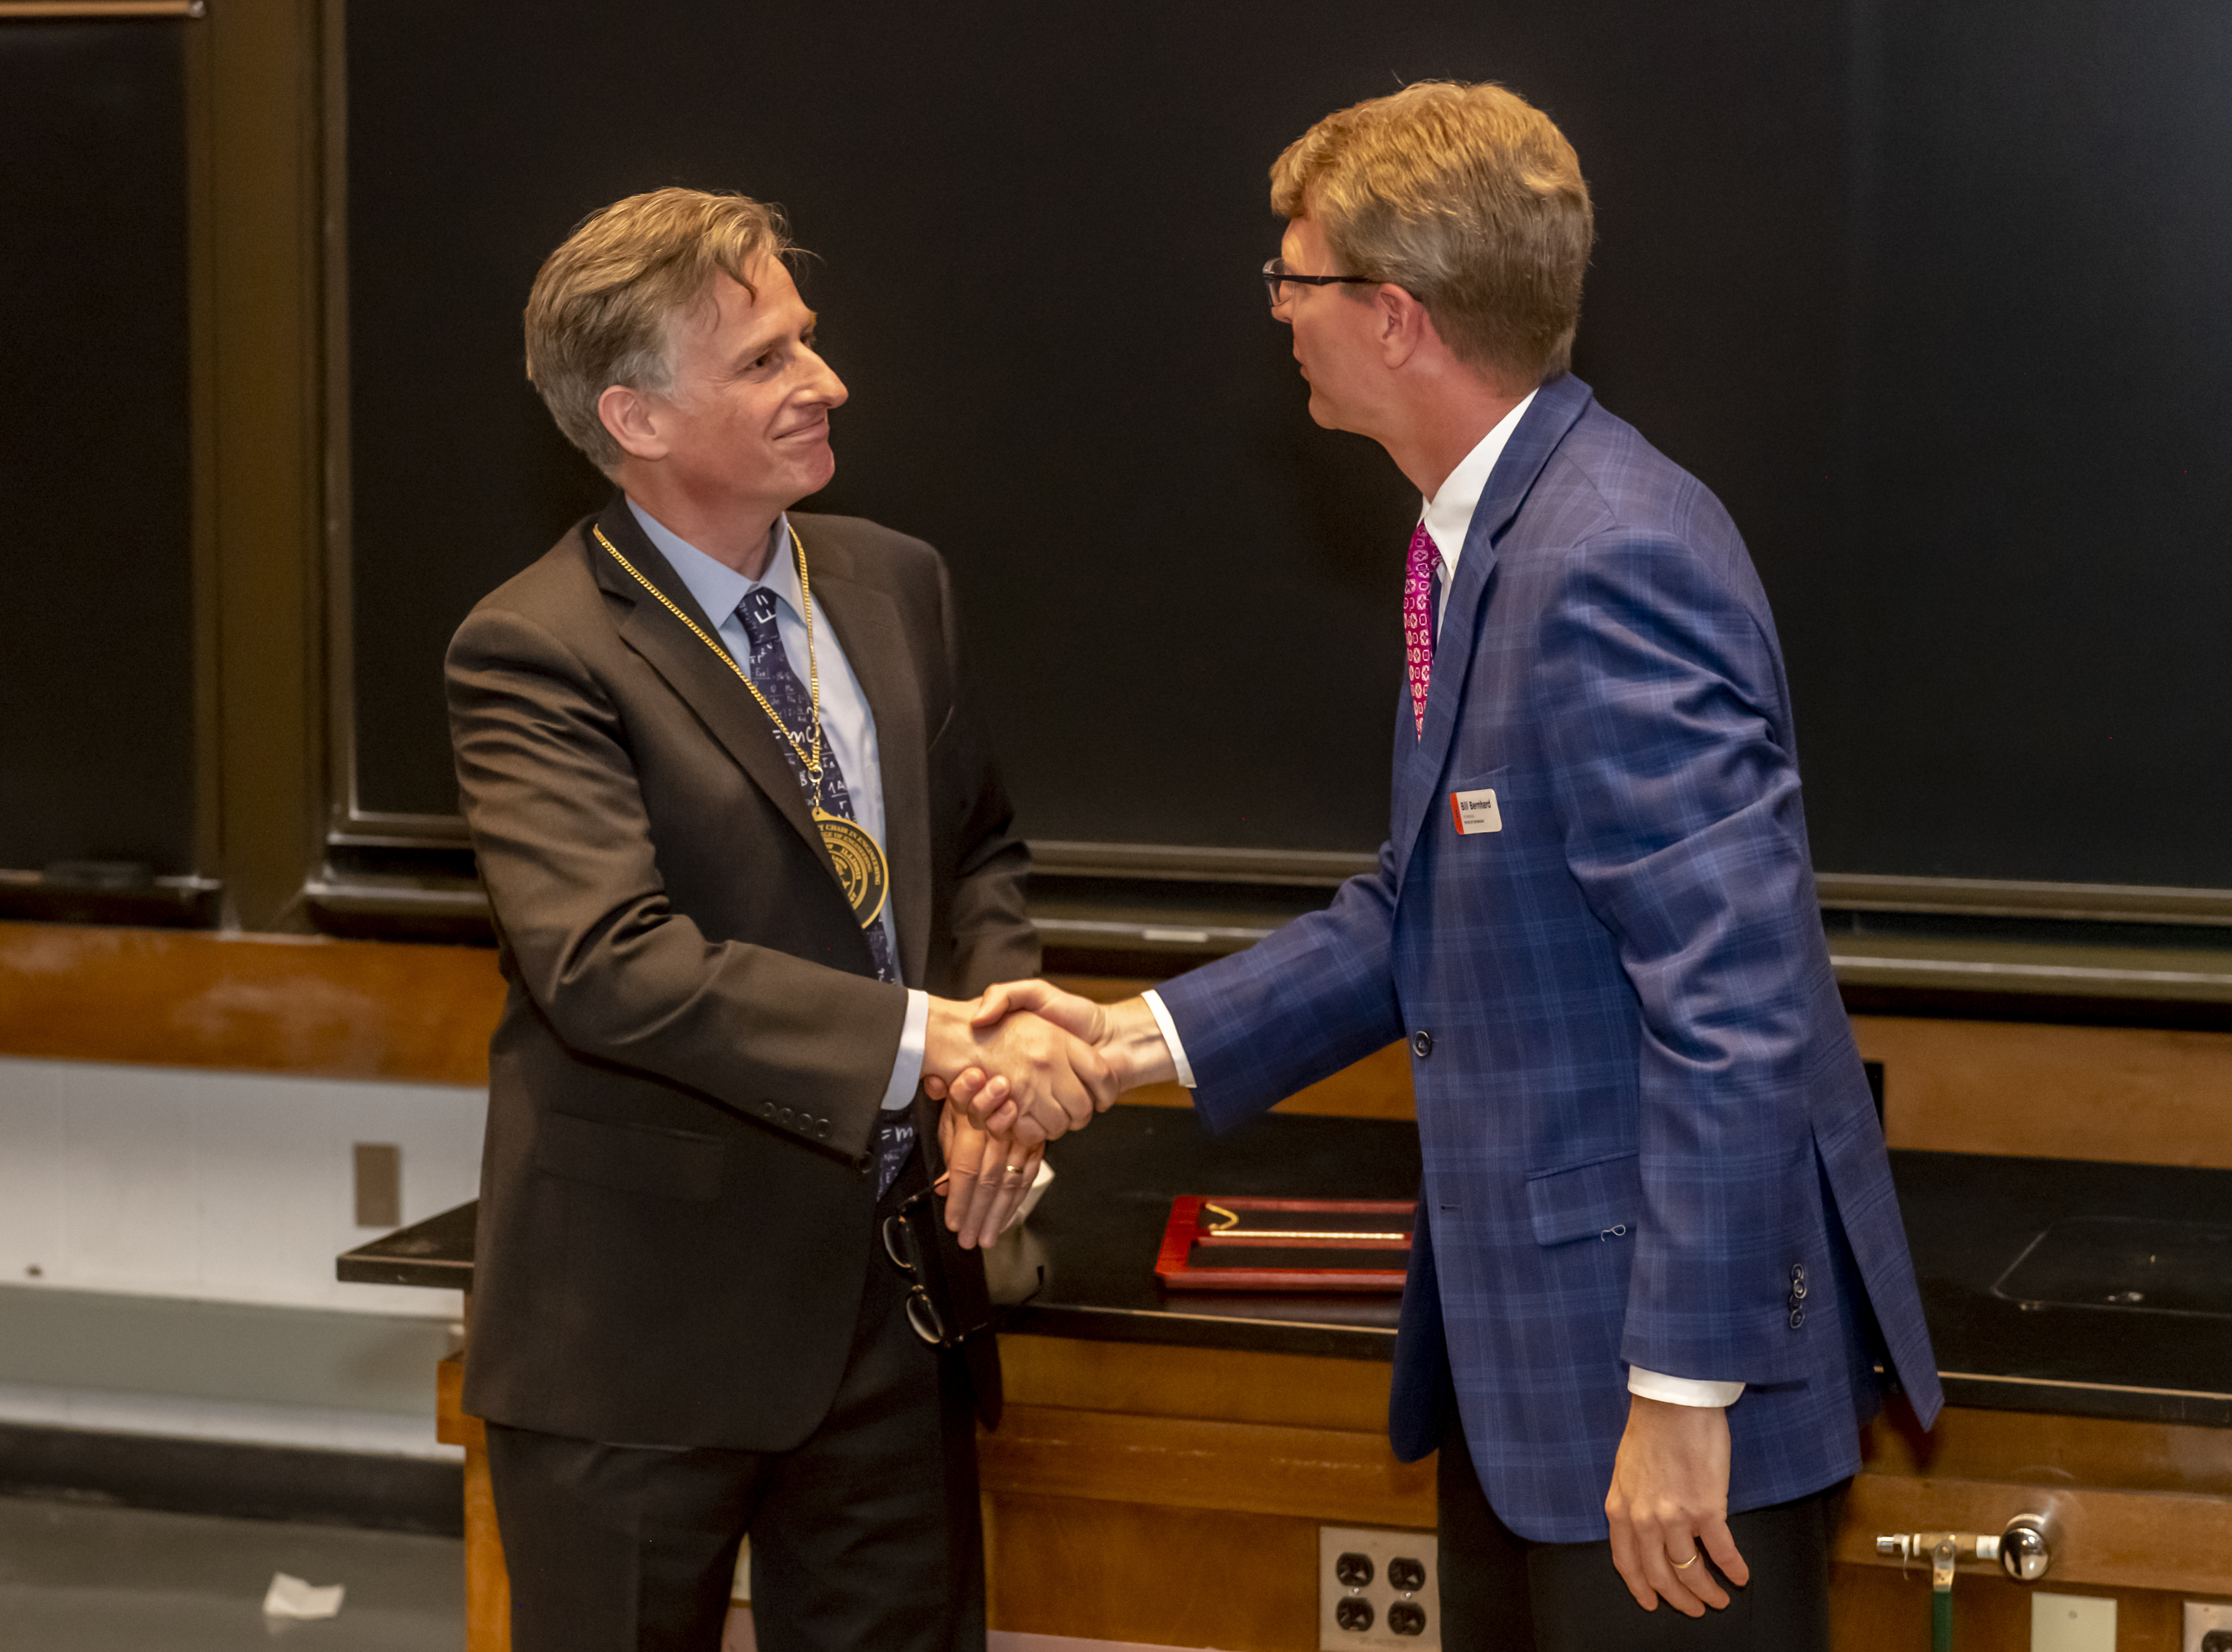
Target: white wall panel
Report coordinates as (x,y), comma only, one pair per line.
(228,1187)
(130,1218)
(30,1154)
(268,1182)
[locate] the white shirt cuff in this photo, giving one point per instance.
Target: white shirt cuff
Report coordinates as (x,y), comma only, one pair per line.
(1682,1390)
(1170,1036)
(914,1039)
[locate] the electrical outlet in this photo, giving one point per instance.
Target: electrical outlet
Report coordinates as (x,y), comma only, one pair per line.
(1377,1588)
(2208,1627)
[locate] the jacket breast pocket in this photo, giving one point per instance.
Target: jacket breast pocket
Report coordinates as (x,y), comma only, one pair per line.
(1598,1200)
(630,1158)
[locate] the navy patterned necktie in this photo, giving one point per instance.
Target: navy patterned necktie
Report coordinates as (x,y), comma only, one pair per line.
(770,669)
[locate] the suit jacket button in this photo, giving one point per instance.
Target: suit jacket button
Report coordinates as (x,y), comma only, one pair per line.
(1422,1044)
(822,1130)
(1798,1272)
(1797,1317)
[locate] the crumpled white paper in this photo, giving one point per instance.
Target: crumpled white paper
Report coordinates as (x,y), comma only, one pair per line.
(292,1597)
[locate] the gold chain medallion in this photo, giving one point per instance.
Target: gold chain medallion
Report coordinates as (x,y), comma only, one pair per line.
(862,871)
(862,868)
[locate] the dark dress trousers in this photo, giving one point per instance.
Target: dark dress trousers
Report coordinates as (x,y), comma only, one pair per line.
(678,1209)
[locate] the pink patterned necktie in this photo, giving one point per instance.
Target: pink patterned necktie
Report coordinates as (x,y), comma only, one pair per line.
(1418,621)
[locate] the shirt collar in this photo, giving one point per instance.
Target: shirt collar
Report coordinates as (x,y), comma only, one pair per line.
(1448,514)
(717,587)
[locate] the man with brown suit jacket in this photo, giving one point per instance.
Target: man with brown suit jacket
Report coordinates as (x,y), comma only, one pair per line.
(745,851)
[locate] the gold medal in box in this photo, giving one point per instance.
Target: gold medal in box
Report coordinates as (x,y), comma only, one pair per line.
(862,871)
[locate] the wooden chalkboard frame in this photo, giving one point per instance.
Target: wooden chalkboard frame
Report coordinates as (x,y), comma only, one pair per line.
(381,873)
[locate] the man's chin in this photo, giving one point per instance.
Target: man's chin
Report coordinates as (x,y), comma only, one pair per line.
(816,473)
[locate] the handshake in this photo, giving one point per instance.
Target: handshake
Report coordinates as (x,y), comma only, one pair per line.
(1022,1063)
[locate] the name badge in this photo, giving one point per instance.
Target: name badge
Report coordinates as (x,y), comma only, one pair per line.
(1474,812)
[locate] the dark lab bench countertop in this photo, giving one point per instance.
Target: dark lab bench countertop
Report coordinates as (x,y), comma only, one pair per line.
(2050,1285)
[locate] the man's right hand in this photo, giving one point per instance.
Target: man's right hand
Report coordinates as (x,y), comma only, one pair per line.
(1124,1037)
(1055,1080)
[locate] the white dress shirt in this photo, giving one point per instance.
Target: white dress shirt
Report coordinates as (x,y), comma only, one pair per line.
(1447,517)
(848,727)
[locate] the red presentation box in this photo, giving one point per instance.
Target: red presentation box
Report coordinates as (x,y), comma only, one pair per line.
(1200,1244)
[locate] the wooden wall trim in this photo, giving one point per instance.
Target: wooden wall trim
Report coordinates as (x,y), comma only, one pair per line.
(1224,1384)
(2122,1094)
(1335,1474)
(334,1009)
(2036,1449)
(391,1010)
(1147,1575)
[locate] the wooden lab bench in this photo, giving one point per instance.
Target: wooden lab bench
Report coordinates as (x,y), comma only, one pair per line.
(1166,1460)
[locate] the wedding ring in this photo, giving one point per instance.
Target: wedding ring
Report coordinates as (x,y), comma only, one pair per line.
(1691,1561)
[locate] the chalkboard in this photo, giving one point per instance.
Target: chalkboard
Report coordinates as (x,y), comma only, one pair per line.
(2013,663)
(96,631)
(1932,297)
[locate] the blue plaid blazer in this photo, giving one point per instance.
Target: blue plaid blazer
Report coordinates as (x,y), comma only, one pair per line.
(1647,1137)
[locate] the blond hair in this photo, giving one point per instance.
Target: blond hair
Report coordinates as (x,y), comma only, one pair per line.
(604,304)
(1466,197)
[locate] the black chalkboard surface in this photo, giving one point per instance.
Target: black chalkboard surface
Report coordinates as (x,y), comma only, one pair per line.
(1933,297)
(96,630)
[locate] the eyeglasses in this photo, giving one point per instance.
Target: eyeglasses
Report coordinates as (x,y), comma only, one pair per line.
(904,1247)
(1276,275)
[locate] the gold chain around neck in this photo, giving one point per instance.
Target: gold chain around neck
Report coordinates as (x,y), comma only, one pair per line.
(810,761)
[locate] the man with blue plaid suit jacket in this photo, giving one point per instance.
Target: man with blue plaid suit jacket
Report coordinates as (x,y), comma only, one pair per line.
(1658,1257)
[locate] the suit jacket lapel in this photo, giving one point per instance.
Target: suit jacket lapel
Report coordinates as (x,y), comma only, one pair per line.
(1557,406)
(693,670)
(867,626)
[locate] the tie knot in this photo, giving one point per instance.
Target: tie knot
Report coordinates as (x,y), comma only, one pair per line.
(756,610)
(1424,554)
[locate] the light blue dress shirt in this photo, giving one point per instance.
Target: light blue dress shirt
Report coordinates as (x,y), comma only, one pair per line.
(848,726)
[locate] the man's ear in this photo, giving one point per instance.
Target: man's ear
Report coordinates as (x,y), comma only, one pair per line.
(630,420)
(1402,323)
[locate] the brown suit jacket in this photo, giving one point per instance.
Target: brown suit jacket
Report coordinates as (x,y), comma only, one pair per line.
(676,1215)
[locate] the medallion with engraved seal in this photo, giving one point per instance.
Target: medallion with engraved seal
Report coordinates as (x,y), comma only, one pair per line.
(865,875)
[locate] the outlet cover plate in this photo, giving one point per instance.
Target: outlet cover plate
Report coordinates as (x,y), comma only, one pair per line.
(1380,1544)
(2201,1617)
(2072,1623)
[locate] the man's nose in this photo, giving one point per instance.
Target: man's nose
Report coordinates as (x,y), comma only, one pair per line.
(827,386)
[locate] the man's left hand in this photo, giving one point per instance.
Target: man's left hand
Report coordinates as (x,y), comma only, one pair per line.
(987,1177)
(1669,1504)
